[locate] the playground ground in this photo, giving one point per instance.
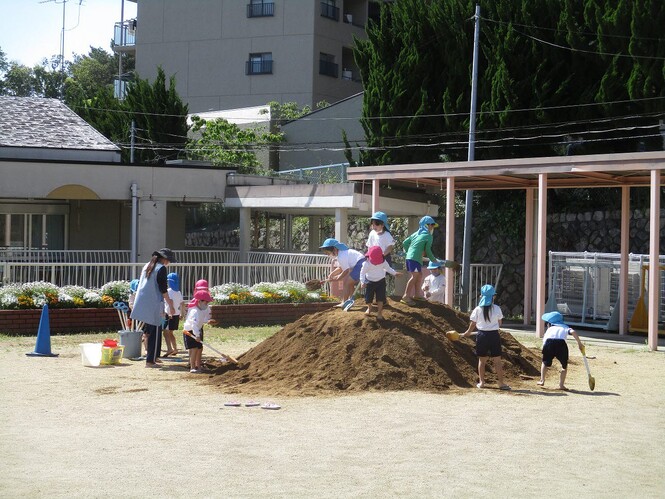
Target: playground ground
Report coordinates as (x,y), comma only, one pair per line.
(73,431)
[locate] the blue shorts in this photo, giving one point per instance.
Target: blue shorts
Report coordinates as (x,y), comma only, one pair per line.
(355,271)
(413,266)
(488,344)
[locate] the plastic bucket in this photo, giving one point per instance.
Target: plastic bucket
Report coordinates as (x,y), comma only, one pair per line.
(91,354)
(131,340)
(111,355)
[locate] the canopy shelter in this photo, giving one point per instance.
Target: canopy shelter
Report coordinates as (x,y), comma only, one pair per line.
(535,176)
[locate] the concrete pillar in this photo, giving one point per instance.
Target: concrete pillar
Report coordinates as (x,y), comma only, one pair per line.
(245,234)
(623,271)
(450,240)
(654,259)
(314,240)
(528,257)
(541,274)
(152,228)
(341,225)
(288,233)
(375,196)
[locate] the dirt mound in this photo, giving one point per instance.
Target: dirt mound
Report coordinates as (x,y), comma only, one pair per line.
(335,351)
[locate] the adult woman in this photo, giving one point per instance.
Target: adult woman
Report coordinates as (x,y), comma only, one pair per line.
(149,301)
(487,317)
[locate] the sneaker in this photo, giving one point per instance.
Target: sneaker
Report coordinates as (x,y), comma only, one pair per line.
(194,371)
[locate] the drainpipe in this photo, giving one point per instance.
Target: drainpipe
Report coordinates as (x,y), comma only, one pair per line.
(135,219)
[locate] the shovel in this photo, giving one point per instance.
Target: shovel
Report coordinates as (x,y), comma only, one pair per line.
(222,355)
(592,380)
(346,306)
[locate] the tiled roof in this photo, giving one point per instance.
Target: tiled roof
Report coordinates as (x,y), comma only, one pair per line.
(36,122)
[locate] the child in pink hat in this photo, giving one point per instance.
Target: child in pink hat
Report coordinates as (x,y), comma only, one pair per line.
(373,279)
(197,315)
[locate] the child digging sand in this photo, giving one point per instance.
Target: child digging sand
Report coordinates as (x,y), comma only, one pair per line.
(373,279)
(197,316)
(554,346)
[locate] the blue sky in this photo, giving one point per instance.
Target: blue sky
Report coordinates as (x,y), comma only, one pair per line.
(31,29)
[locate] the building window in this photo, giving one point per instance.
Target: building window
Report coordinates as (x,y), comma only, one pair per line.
(260,8)
(259,64)
(327,65)
(330,10)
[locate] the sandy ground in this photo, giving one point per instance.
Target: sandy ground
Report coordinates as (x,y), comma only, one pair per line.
(73,431)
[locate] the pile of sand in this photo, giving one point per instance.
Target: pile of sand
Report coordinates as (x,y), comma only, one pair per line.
(337,351)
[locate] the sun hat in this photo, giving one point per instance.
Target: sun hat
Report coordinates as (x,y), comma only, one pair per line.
(487,292)
(427,220)
(201,284)
(434,265)
(174,281)
(375,255)
(133,285)
(331,242)
(553,317)
(166,253)
(200,295)
(381,217)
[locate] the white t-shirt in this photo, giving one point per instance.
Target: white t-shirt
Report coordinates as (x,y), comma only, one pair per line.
(347,259)
(176,296)
(478,317)
(385,239)
(195,320)
(436,286)
(556,332)
(374,273)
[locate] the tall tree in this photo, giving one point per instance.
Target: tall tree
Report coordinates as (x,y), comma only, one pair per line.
(552,78)
(160,117)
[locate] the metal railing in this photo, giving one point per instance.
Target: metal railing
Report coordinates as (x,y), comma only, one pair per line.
(584,286)
(217,266)
(329,11)
(258,67)
(328,174)
(480,274)
(328,68)
(124,34)
(261,9)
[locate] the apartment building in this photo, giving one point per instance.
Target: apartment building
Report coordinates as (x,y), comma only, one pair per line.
(237,53)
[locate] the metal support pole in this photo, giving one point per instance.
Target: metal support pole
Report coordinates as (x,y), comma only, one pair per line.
(468,210)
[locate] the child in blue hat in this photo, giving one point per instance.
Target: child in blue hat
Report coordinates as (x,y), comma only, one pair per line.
(486,318)
(380,235)
(349,263)
(173,321)
(415,245)
(434,285)
(373,278)
(554,346)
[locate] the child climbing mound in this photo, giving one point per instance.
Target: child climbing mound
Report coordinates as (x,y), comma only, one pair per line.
(434,285)
(554,346)
(373,279)
(349,262)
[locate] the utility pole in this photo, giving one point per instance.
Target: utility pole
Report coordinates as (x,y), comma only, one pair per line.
(468,210)
(122,45)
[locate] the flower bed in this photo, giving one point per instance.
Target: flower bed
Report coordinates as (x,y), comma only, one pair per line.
(75,320)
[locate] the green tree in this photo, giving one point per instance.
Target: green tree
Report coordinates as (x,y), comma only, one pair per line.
(226,144)
(160,117)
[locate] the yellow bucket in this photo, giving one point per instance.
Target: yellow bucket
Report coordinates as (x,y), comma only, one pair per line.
(111,355)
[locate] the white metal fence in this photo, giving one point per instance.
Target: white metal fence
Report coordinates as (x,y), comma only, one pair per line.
(585,286)
(93,269)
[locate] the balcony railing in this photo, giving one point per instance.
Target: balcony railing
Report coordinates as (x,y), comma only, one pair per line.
(258,67)
(124,34)
(263,9)
(328,68)
(329,11)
